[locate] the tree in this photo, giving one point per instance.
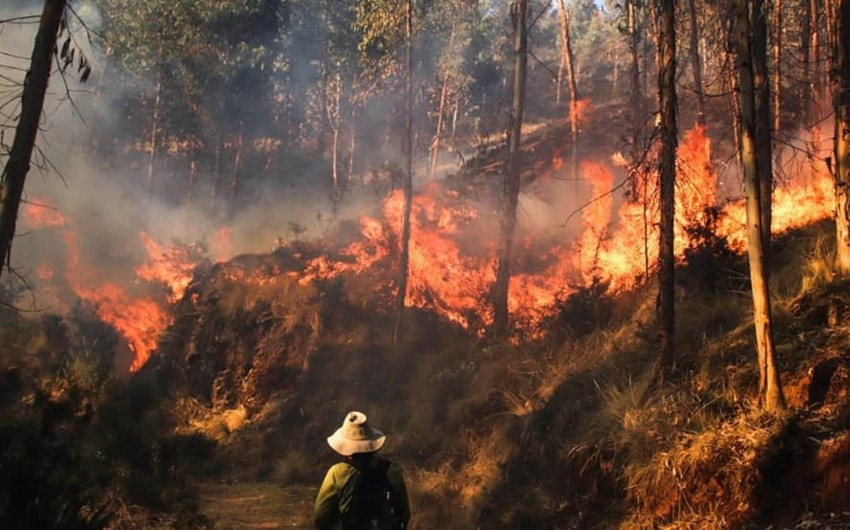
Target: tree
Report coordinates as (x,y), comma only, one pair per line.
(696,61)
(404,259)
(761,87)
(32,103)
(770,389)
(667,174)
(519,12)
(569,61)
(841,95)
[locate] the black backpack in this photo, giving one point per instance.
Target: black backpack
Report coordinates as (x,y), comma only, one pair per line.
(373,505)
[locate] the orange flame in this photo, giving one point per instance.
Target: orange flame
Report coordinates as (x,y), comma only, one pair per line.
(140,321)
(173,266)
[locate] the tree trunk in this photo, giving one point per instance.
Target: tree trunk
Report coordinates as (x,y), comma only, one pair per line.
(761,84)
(234,177)
(352,146)
(841,95)
(777,66)
(190,188)
(571,81)
(154,131)
(404,258)
(32,103)
(635,96)
(805,52)
(512,171)
(667,174)
(435,144)
(815,79)
(696,62)
(770,390)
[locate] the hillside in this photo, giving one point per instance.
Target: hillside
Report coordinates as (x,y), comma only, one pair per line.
(563,432)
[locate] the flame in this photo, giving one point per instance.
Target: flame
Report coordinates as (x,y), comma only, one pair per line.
(453,251)
(38,213)
(172,266)
(140,321)
(582,110)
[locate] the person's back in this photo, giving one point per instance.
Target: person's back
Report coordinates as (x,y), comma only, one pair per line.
(363,492)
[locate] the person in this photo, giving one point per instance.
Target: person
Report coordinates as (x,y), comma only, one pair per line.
(363,491)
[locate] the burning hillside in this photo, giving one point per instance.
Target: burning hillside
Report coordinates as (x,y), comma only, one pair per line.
(452,265)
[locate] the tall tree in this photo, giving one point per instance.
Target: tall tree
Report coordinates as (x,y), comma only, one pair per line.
(761,87)
(32,102)
(777,65)
(667,174)
(696,61)
(519,13)
(841,96)
(635,96)
(404,260)
(569,62)
(770,389)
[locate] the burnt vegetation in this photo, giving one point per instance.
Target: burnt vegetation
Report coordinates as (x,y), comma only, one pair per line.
(580,260)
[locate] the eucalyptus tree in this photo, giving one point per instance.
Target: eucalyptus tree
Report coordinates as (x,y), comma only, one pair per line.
(501,289)
(770,389)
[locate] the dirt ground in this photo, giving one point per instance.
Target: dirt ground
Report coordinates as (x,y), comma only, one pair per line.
(257,505)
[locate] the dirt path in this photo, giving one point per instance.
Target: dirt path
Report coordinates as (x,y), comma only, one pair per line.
(257,505)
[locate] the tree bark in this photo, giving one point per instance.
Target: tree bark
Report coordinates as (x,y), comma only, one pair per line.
(32,103)
(635,96)
(573,88)
(404,258)
(805,52)
(761,87)
(234,177)
(841,95)
(512,170)
(770,389)
(154,131)
(815,79)
(696,62)
(667,174)
(777,67)
(438,134)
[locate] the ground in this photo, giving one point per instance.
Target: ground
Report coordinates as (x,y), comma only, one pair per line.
(257,505)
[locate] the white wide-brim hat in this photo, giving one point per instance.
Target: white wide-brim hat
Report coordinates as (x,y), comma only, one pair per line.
(356,436)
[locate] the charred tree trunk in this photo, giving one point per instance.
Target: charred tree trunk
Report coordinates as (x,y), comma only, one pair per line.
(404,258)
(696,62)
(571,81)
(841,95)
(512,170)
(761,86)
(770,390)
(32,103)
(667,174)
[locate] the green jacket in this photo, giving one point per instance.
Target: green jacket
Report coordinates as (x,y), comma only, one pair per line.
(337,492)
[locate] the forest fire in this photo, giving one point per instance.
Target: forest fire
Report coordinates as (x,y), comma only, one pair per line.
(452,260)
